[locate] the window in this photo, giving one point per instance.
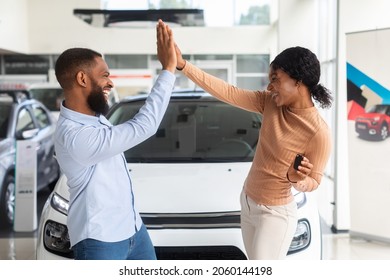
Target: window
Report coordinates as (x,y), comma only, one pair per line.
(252,71)
(126,61)
(5,111)
(253,63)
(235,12)
(26,64)
(195,130)
(25,122)
(41,116)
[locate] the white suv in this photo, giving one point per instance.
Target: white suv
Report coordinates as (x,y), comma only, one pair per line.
(187,181)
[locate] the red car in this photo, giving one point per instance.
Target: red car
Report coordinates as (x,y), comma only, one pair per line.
(374,123)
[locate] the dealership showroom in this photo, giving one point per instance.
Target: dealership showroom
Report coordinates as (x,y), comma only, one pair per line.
(188,208)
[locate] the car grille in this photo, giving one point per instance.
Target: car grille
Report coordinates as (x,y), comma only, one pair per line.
(200,253)
(191,220)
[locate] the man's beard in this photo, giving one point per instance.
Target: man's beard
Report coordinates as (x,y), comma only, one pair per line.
(97,100)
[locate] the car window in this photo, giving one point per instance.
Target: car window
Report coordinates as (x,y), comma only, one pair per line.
(25,121)
(195,130)
(5,111)
(50,97)
(41,116)
(381,109)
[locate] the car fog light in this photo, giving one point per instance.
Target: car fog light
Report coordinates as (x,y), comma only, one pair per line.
(301,238)
(372,131)
(56,239)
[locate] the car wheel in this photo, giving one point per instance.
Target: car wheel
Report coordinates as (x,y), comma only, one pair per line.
(384,133)
(7,202)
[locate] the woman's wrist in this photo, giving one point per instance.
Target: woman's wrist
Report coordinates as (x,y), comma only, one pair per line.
(181,67)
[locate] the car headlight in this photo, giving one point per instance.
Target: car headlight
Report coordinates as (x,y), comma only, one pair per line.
(56,239)
(375,121)
(302,237)
(60,204)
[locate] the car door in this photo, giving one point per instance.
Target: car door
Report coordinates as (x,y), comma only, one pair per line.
(25,123)
(47,165)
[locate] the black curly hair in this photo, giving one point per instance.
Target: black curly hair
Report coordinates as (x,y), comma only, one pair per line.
(302,65)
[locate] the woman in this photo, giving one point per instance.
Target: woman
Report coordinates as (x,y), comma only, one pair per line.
(291,125)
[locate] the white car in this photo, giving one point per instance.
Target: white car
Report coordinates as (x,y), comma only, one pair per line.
(187,181)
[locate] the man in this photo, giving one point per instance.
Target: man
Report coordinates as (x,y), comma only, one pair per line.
(102,220)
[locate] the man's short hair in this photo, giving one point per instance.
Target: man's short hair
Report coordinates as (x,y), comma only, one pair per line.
(72,61)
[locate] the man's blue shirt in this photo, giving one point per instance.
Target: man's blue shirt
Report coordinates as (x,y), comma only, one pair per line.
(90,150)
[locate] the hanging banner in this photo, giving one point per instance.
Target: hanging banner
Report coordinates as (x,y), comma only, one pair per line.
(368,91)
(25,218)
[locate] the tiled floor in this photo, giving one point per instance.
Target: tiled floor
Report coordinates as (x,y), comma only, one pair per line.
(335,247)
(342,247)
(21,246)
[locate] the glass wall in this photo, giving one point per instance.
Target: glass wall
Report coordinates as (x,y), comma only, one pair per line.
(126,61)
(327,14)
(252,71)
(215,12)
(26,64)
(247,71)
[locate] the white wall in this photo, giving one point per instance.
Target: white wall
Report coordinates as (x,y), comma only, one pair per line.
(13,25)
(53,27)
(298,24)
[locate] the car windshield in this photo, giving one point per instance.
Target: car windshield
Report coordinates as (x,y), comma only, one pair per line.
(381,109)
(195,130)
(50,97)
(5,110)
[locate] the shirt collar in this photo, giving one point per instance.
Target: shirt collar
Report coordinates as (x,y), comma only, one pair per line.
(78,117)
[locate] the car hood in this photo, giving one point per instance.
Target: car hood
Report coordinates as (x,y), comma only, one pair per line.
(369,116)
(188,188)
(184,188)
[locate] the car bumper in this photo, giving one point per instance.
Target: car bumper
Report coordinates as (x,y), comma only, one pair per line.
(366,129)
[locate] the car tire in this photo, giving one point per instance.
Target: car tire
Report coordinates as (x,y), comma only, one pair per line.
(7,202)
(384,132)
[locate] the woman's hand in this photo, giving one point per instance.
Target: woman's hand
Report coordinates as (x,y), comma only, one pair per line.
(305,183)
(181,63)
(304,169)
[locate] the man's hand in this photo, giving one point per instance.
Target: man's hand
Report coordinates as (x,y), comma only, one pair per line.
(166,47)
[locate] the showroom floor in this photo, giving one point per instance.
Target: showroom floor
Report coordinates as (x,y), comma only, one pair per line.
(21,246)
(336,247)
